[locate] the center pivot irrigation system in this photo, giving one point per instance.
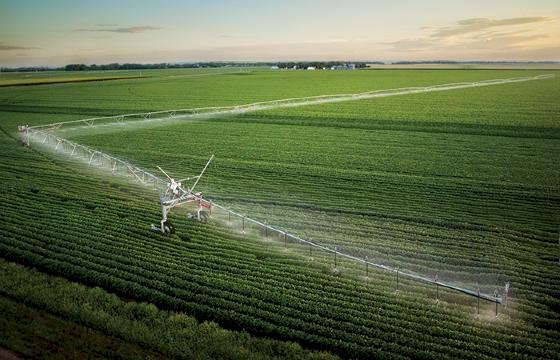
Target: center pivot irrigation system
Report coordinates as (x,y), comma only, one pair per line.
(173,193)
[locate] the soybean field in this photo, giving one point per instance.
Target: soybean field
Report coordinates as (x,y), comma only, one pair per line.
(459,185)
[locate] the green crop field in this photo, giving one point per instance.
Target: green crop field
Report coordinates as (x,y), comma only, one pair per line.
(459,184)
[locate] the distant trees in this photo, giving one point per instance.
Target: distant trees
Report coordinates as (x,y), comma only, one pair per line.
(321,64)
(112,66)
(75,67)
(283,65)
(134,66)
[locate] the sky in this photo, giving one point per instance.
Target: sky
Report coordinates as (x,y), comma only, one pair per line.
(59,32)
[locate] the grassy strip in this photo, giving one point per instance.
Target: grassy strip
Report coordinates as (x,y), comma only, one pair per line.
(33,333)
(68,319)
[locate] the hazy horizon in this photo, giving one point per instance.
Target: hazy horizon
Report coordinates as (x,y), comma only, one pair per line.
(56,33)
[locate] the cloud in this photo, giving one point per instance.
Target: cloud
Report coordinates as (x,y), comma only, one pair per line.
(483,41)
(480,36)
(494,33)
(122,30)
(5,47)
(474,25)
(503,42)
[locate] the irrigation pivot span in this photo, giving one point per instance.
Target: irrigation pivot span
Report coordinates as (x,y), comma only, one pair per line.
(121,167)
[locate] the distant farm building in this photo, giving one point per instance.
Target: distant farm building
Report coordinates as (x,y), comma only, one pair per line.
(344,67)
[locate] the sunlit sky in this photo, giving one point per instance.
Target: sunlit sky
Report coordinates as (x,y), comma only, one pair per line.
(59,32)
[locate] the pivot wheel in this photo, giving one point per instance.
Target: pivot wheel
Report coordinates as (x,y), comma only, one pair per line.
(203,216)
(168,227)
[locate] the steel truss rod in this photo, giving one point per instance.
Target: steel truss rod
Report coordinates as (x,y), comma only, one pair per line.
(412,276)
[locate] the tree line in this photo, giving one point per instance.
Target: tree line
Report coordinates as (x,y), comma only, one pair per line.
(212,64)
(322,64)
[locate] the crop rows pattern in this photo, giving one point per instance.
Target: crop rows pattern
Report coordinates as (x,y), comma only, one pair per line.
(423,192)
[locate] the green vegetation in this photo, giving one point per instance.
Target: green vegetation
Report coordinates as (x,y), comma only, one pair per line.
(177,89)
(462,182)
(46,78)
(89,322)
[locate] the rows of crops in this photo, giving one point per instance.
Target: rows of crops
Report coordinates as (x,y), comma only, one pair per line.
(442,222)
(217,276)
(386,252)
(168,90)
(90,323)
(449,196)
